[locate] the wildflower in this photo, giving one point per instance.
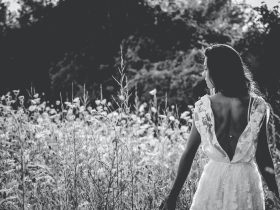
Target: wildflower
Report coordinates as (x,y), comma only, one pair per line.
(35,101)
(52,111)
(148,116)
(109,103)
(99,108)
(97,102)
(67,104)
(153,109)
(162,116)
(171,118)
(36,95)
(89,108)
(153,92)
(142,107)
(70,112)
(185,114)
(121,97)
(21,99)
(103,113)
(76,100)
(82,108)
(103,102)
(172,107)
(57,103)
(190,106)
(16,92)
(32,108)
(8,97)
(93,111)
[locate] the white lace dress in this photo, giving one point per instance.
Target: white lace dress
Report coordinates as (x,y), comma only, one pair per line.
(229,184)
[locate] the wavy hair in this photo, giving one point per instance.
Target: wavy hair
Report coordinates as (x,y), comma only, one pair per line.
(228,72)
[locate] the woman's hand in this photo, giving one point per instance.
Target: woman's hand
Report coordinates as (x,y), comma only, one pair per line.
(168,204)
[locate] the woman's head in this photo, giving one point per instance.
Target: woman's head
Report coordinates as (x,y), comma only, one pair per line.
(224,70)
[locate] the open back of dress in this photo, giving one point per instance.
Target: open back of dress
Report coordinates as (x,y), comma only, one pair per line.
(229,184)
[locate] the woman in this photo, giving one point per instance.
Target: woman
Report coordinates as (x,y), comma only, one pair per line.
(231,126)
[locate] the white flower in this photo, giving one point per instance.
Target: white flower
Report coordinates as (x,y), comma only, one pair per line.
(162,116)
(16,92)
(103,113)
(93,111)
(153,92)
(32,108)
(89,108)
(97,102)
(21,98)
(190,106)
(172,118)
(109,103)
(185,114)
(153,109)
(142,108)
(76,100)
(52,111)
(103,102)
(57,103)
(36,95)
(82,108)
(67,103)
(121,97)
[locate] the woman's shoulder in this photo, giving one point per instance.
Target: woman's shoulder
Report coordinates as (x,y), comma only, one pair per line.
(201,102)
(202,99)
(259,101)
(260,106)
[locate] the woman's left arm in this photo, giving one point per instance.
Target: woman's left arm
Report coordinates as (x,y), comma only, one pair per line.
(264,161)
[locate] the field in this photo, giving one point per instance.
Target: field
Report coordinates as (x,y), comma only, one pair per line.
(73,156)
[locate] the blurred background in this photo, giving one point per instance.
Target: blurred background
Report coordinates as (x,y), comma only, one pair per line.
(61,46)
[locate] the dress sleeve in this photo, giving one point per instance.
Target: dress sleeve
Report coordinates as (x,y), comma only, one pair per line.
(196,116)
(261,109)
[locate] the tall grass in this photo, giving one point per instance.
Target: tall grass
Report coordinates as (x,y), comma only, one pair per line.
(74,156)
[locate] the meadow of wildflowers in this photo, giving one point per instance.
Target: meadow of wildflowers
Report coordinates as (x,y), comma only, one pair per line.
(89,158)
(71,155)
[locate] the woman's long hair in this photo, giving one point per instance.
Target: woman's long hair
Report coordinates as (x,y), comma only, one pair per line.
(228,72)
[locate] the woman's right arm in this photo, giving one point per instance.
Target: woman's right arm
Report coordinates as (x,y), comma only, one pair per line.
(185,164)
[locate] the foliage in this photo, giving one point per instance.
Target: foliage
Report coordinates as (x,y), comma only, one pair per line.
(63,46)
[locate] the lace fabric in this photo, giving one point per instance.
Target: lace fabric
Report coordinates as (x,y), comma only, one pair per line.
(229,184)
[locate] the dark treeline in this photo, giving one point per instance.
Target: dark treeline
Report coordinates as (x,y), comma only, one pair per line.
(77,42)
(90,32)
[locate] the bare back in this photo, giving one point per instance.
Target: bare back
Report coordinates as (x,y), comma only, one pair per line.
(231,118)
